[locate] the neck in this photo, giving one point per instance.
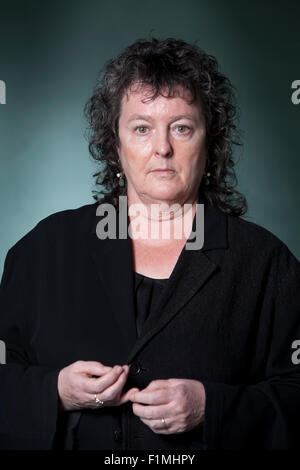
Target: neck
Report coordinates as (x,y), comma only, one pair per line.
(162,220)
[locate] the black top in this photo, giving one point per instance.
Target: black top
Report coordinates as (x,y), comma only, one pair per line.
(147,294)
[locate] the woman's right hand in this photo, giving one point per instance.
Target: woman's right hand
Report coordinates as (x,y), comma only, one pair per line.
(77,387)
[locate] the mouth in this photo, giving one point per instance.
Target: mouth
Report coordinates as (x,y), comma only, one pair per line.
(164,170)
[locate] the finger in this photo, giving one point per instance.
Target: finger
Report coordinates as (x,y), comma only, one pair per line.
(152,386)
(157,384)
(100,384)
(152,412)
(158,426)
(110,392)
(126,369)
(152,397)
(92,368)
(131,392)
(126,396)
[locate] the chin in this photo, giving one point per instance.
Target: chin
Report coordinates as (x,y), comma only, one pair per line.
(164,195)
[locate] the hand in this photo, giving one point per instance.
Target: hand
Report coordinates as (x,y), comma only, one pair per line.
(77,387)
(181,402)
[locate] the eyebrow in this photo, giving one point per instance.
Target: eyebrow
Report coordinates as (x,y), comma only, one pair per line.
(147,117)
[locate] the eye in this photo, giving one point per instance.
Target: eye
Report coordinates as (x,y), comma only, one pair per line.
(182,129)
(141,129)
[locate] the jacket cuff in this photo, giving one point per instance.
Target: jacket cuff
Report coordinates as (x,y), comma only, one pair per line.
(213,415)
(49,395)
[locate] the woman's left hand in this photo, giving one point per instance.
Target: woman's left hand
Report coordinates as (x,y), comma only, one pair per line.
(170,406)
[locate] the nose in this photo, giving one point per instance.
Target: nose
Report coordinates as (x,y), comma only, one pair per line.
(162,144)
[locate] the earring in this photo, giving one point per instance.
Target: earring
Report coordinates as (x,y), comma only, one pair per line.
(206,179)
(120,175)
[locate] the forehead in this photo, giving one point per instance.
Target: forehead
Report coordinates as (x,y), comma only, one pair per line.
(139,100)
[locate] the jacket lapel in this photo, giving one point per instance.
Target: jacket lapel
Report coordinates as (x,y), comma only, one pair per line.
(192,270)
(189,274)
(114,262)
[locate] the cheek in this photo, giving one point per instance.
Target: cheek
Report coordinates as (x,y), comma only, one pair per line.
(191,157)
(135,150)
(135,160)
(191,161)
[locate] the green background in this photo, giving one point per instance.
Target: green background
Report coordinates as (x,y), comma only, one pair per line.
(50,56)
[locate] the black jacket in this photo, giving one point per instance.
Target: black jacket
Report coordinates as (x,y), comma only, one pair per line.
(229,318)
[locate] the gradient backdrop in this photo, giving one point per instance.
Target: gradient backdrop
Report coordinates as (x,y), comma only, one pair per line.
(50,56)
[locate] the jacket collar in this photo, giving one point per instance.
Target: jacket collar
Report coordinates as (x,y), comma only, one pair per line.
(114,264)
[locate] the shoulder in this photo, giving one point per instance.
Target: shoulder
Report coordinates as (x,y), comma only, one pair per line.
(253,240)
(54,240)
(246,233)
(58,227)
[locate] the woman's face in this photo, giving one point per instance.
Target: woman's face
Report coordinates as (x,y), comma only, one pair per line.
(165,133)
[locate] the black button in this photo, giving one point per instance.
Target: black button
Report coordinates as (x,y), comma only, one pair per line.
(135,368)
(117,435)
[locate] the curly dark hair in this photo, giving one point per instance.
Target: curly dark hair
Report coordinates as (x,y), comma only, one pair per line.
(165,65)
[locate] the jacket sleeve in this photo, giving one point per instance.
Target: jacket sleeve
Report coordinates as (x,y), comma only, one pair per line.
(28,391)
(264,415)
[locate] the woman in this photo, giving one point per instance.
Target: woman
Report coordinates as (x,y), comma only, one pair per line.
(135,341)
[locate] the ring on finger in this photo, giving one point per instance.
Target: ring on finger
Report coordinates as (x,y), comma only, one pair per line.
(164,422)
(98,402)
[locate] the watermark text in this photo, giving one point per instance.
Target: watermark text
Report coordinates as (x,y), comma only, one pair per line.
(2,92)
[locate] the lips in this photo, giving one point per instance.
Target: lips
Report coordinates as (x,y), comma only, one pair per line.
(163,169)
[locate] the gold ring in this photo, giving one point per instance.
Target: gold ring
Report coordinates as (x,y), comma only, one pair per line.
(164,422)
